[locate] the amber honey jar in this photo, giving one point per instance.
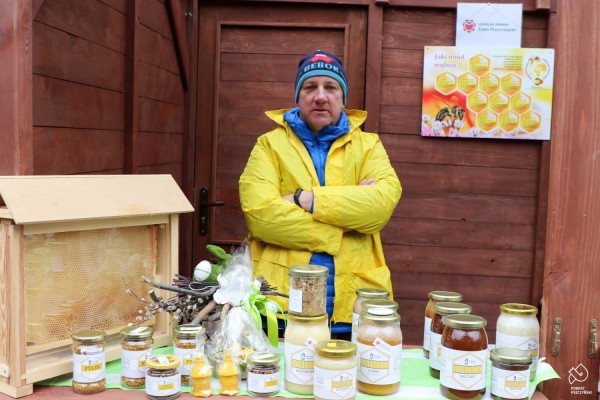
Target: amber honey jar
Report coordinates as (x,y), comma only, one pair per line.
(510,374)
(379,352)
(442,309)
(463,357)
(435,297)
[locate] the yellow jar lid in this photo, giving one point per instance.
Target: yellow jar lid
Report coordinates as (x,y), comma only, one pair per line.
(335,348)
(449,307)
(518,309)
(163,361)
(89,335)
(466,321)
(188,330)
(442,295)
(137,332)
(372,293)
(511,355)
(308,271)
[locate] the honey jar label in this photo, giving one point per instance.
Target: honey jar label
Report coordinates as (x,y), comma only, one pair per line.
(379,364)
(163,386)
(187,359)
(87,369)
(133,363)
(435,350)
(335,384)
(299,364)
(463,370)
(426,333)
(508,384)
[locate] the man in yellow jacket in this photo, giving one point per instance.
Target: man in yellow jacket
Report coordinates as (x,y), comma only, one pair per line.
(318,190)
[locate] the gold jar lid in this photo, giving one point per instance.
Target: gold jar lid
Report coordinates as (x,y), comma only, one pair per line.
(308,271)
(467,321)
(335,348)
(449,307)
(372,293)
(510,355)
(137,332)
(263,358)
(163,361)
(188,330)
(380,316)
(89,335)
(378,303)
(518,309)
(306,319)
(442,295)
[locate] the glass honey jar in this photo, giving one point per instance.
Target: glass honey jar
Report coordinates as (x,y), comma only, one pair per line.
(379,352)
(517,327)
(89,361)
(335,370)
(163,380)
(136,347)
(510,374)
(435,297)
(184,347)
(463,358)
(363,294)
(442,309)
(308,290)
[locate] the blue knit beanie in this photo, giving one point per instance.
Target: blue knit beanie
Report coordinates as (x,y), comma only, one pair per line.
(321,63)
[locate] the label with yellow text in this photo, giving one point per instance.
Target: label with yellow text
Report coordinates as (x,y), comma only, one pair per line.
(335,384)
(380,363)
(463,370)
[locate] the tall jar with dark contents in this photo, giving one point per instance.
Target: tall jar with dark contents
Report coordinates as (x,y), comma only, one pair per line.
(184,347)
(301,336)
(379,352)
(136,348)
(510,374)
(363,294)
(89,361)
(163,380)
(335,370)
(517,327)
(442,309)
(463,359)
(308,290)
(435,297)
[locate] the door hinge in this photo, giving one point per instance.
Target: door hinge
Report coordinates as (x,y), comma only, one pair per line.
(593,342)
(556,336)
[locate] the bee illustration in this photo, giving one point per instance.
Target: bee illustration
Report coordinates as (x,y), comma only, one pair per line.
(452,113)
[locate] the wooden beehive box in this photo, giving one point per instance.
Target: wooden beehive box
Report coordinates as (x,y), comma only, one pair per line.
(69,247)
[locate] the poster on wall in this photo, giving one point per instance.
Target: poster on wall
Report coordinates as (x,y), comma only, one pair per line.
(494,93)
(479,24)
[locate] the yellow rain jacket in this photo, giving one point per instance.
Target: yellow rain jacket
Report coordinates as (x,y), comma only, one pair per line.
(282,234)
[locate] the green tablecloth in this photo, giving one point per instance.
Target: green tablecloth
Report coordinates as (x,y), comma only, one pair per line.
(416,383)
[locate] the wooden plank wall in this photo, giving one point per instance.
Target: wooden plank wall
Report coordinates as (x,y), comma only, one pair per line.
(467,219)
(86,55)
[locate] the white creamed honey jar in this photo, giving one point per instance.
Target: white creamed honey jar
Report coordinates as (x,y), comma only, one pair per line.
(335,370)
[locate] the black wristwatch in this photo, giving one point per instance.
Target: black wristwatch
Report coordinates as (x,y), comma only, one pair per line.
(297,197)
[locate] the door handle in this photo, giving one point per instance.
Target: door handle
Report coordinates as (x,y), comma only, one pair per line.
(205,203)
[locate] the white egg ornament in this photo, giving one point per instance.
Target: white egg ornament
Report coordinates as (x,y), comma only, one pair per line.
(202,270)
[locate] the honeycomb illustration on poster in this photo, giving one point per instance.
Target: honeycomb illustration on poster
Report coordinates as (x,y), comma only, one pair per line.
(497,93)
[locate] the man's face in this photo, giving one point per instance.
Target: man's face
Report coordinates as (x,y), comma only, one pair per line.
(321,101)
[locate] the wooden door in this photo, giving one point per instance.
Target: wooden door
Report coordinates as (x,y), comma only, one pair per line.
(247,62)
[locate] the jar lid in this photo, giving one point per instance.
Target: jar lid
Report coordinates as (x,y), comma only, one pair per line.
(188,330)
(380,315)
(449,307)
(308,271)
(305,319)
(467,321)
(137,332)
(335,348)
(511,355)
(518,309)
(263,358)
(442,295)
(378,303)
(163,361)
(89,335)
(372,293)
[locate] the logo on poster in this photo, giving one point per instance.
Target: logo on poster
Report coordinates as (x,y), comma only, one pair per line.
(578,374)
(469,25)
(537,69)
